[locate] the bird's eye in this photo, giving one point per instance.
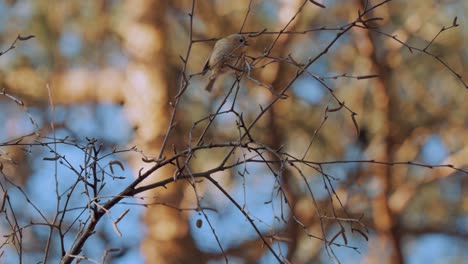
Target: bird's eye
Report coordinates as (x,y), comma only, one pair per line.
(241,40)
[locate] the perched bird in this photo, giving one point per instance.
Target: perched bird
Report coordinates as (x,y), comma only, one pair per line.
(223,57)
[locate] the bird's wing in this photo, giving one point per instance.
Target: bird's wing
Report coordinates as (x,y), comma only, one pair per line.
(207,64)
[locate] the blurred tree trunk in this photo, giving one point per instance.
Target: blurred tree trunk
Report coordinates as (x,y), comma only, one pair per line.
(147,100)
(276,136)
(385,105)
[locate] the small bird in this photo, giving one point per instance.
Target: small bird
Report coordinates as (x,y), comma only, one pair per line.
(225,53)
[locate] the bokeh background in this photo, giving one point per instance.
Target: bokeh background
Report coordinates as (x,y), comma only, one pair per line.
(113,66)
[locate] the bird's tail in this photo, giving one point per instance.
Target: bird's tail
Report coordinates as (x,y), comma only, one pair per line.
(209,85)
